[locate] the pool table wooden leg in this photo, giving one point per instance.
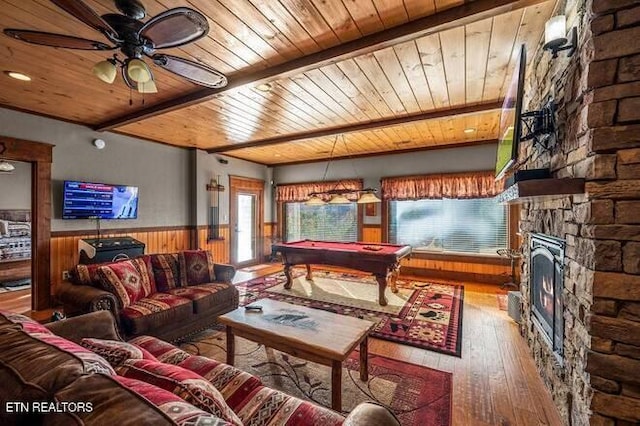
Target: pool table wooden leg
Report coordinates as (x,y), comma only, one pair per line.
(393,276)
(382,286)
(309,276)
(287,273)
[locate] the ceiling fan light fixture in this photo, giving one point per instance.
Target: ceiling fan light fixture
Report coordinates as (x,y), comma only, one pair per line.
(138,71)
(105,71)
(148,87)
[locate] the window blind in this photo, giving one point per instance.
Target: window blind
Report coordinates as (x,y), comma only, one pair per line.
(330,222)
(476,225)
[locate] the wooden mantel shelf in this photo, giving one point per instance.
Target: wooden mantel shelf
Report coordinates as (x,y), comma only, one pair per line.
(541,190)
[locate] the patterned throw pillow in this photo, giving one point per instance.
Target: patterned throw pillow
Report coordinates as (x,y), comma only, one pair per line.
(27,324)
(93,363)
(146,268)
(125,280)
(181,412)
(165,268)
(115,351)
(86,274)
(163,351)
(186,384)
(196,267)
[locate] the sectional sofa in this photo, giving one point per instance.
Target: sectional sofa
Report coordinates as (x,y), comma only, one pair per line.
(79,372)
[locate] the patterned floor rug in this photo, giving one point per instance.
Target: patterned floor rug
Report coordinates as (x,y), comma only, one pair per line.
(422,314)
(418,395)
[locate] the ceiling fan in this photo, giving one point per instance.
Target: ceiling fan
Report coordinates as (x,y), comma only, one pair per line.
(135,39)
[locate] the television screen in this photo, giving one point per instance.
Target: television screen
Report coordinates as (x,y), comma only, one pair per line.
(509,131)
(82,200)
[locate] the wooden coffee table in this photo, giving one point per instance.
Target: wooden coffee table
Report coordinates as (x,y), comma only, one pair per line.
(311,334)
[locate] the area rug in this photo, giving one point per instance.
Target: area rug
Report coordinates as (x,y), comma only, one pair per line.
(422,314)
(418,395)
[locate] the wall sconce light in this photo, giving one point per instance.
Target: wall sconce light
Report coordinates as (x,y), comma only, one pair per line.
(555,36)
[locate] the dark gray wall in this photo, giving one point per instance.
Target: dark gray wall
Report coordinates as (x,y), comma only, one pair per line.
(161,172)
(372,169)
(15,188)
(208,167)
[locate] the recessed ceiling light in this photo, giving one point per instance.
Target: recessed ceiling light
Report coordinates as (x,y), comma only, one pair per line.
(264,87)
(470,130)
(18,75)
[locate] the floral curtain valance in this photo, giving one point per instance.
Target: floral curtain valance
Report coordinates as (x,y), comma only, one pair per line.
(299,192)
(453,185)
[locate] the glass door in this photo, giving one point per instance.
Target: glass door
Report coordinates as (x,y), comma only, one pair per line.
(246,220)
(245,228)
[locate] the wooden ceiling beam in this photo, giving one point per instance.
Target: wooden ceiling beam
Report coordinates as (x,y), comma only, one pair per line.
(358,127)
(378,154)
(450,18)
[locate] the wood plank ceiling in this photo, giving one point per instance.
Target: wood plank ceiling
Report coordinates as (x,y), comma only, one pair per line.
(435,75)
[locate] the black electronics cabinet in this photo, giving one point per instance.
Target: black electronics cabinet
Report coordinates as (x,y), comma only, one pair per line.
(98,250)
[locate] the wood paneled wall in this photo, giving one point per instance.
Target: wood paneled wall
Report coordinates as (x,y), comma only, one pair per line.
(218,248)
(372,233)
(64,247)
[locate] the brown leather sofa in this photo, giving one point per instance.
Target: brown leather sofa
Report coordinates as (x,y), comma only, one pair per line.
(63,379)
(169,295)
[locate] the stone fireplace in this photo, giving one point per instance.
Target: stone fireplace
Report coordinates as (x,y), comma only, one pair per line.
(546,277)
(586,342)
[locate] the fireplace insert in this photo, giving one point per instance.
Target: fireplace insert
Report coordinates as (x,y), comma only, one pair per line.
(546,279)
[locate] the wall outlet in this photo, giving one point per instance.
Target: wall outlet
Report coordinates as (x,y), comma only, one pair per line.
(65,275)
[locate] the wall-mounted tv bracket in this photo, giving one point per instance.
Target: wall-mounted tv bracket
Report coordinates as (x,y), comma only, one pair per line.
(539,125)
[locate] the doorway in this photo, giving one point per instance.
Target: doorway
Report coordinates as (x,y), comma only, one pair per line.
(15,236)
(246,220)
(39,155)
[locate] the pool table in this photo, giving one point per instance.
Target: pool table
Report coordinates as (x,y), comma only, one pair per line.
(381,260)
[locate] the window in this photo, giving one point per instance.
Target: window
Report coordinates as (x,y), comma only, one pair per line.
(476,225)
(330,222)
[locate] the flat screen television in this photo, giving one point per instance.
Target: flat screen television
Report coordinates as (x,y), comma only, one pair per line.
(86,200)
(510,123)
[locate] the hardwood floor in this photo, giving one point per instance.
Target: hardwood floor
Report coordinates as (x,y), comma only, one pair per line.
(495,382)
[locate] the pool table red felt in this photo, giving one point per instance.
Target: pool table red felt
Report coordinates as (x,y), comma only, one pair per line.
(381,260)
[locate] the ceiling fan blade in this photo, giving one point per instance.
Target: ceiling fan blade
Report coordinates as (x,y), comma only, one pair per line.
(175,27)
(198,73)
(56,40)
(84,13)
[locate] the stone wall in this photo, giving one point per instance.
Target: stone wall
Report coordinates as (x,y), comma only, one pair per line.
(598,138)
(563,79)
(614,119)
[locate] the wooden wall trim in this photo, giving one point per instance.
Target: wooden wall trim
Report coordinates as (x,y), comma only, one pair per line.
(39,155)
(454,275)
(88,232)
(456,257)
